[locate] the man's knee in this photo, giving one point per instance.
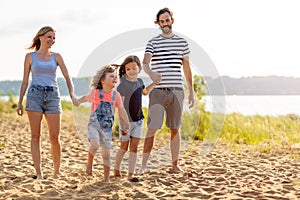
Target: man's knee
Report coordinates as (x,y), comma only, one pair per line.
(150,132)
(174,132)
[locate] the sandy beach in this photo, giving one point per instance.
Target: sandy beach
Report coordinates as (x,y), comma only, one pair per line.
(223,173)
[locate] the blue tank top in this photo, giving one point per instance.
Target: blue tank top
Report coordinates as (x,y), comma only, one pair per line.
(43,71)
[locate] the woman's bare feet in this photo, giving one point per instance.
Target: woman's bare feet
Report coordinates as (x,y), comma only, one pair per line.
(89,170)
(106,180)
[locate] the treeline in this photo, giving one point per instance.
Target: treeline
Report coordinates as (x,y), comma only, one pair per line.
(13,87)
(269,85)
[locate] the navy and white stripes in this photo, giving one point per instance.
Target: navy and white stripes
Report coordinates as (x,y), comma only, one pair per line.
(167,55)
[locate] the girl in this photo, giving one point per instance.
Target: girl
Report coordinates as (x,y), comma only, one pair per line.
(131,89)
(43,95)
(104,99)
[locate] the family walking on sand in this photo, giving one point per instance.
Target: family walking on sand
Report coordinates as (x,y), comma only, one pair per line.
(166,60)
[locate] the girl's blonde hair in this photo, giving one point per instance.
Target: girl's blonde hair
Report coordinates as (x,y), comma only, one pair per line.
(100,76)
(36,43)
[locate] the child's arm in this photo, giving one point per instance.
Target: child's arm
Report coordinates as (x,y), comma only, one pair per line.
(149,88)
(79,101)
(124,121)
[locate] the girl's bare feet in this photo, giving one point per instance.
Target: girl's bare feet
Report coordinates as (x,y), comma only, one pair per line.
(117,173)
(133,179)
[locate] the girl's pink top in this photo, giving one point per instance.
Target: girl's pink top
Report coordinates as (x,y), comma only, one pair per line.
(93,97)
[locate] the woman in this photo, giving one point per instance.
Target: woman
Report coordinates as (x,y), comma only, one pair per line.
(43,96)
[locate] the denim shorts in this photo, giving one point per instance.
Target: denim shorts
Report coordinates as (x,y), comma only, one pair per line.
(96,131)
(45,99)
(136,131)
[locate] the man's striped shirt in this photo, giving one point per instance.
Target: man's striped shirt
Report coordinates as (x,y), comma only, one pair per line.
(167,55)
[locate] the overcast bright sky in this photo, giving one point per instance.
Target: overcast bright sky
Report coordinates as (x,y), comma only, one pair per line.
(242,37)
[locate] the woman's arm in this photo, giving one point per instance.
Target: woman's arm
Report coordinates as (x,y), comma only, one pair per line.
(66,75)
(24,85)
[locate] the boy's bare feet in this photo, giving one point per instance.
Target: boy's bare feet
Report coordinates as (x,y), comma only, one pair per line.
(142,171)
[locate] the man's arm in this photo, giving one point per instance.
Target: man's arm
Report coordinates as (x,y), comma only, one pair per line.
(155,76)
(188,77)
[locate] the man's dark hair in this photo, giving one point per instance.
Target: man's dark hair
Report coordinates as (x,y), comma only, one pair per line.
(162,11)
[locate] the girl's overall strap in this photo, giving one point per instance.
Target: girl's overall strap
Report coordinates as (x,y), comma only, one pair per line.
(114,95)
(101,94)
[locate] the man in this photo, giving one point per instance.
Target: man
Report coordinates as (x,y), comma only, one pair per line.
(168,54)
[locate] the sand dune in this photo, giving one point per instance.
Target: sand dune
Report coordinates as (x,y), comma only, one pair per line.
(223,174)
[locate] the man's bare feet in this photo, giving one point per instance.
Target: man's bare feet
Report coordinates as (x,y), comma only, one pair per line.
(57,175)
(38,177)
(176,170)
(89,170)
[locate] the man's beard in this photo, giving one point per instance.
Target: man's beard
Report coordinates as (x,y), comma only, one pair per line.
(166,29)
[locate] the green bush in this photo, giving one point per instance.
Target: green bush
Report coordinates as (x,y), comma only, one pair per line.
(8,106)
(66,105)
(256,130)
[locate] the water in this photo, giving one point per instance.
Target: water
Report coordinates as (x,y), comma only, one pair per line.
(258,104)
(273,105)
(248,105)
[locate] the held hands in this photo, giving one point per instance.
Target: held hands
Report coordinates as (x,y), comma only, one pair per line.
(155,77)
(123,132)
(75,101)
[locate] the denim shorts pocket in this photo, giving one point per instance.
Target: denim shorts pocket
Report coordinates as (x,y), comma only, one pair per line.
(106,123)
(93,118)
(53,93)
(31,92)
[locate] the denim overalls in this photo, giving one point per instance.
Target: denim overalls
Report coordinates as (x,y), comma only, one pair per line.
(102,120)
(105,112)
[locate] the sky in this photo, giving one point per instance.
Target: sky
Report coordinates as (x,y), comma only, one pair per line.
(242,38)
